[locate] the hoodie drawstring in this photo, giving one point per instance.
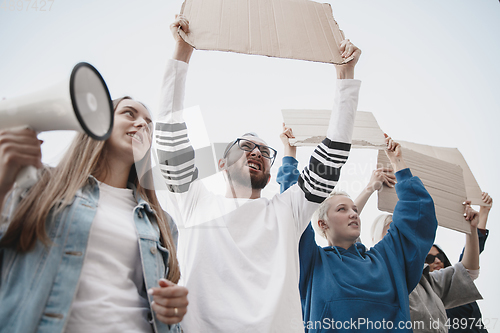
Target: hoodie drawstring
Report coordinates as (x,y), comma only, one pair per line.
(338,253)
(357,251)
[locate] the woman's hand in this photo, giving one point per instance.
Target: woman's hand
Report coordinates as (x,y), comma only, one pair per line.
(470,259)
(18,148)
(484,211)
(285,137)
(470,214)
(379,177)
(169,302)
(394,153)
(487,200)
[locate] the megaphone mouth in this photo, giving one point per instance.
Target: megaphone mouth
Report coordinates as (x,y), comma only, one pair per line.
(92,101)
(93,106)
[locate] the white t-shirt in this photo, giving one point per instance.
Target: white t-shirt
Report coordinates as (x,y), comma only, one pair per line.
(239,260)
(110,296)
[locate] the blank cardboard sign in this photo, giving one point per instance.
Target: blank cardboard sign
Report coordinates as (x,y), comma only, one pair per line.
(310,126)
(452,155)
(444,181)
(295,29)
(443,171)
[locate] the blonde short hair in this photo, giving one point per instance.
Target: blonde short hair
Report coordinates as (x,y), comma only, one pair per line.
(322,212)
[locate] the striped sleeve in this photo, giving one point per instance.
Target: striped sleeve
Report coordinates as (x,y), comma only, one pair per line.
(320,177)
(173,148)
(176,156)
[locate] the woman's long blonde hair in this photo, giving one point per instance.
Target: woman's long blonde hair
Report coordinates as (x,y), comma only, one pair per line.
(57,187)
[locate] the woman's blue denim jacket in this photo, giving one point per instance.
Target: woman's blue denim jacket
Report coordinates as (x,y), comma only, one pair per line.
(37,288)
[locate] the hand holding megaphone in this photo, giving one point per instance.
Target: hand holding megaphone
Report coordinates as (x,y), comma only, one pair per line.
(19,150)
(80,103)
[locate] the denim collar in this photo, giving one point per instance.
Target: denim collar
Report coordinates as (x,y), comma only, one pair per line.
(140,201)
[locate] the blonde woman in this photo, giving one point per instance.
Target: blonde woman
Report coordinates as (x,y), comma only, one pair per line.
(345,286)
(88,248)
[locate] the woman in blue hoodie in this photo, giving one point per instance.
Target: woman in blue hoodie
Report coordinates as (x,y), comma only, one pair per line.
(346,287)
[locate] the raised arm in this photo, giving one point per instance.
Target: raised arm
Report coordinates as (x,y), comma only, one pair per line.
(319,178)
(379,177)
(482,232)
(175,153)
(285,137)
(451,284)
(395,154)
(414,222)
(470,258)
(484,211)
(288,174)
(183,50)
(382,176)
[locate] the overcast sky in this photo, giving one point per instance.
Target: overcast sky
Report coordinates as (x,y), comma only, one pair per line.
(429,68)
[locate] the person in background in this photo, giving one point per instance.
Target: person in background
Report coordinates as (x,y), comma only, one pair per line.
(467,317)
(88,248)
(346,283)
(441,286)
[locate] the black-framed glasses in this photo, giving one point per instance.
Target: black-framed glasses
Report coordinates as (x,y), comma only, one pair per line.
(247,145)
(431,257)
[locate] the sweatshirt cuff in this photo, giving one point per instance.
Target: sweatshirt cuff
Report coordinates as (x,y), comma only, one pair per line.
(348,83)
(473,273)
(484,232)
(178,64)
(289,160)
(403,174)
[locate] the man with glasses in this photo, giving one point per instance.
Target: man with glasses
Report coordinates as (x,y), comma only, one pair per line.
(239,252)
(248,161)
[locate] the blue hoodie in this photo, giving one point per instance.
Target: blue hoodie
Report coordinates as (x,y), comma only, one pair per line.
(356,289)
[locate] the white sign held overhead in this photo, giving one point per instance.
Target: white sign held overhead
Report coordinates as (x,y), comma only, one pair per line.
(443,171)
(310,126)
(294,29)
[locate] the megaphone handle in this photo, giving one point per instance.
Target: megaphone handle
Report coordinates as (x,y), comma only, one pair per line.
(27,177)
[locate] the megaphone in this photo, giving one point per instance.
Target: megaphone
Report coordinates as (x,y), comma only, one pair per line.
(82,104)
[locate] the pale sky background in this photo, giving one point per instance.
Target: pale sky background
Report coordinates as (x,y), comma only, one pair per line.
(429,68)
